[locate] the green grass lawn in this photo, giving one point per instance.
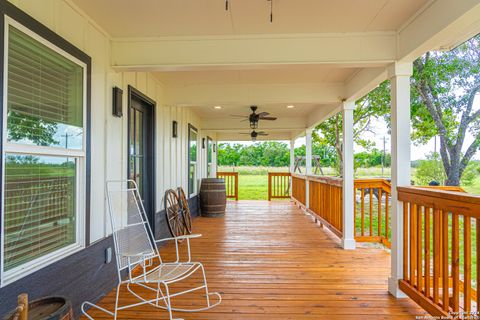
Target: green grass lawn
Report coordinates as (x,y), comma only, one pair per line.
(252,187)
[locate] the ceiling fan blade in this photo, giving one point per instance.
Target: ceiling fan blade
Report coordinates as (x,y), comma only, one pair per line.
(243,133)
(238,116)
(244,120)
(263,114)
(268,118)
(262,134)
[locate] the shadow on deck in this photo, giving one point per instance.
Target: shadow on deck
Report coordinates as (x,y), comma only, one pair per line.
(271,261)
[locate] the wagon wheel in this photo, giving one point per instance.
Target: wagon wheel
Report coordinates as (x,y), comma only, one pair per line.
(187,216)
(173,214)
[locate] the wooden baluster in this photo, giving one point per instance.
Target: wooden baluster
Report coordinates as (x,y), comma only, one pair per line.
(436,254)
(354,212)
(455,262)
(445,273)
(419,248)
(413,243)
(379,213)
(427,252)
(363,211)
(467,264)
(387,224)
(405,242)
(371,212)
(269,187)
(477,255)
(236,187)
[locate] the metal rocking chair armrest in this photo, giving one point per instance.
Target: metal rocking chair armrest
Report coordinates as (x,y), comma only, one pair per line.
(144,257)
(133,255)
(176,239)
(186,236)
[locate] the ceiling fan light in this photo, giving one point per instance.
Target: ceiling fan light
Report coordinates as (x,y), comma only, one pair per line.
(253,125)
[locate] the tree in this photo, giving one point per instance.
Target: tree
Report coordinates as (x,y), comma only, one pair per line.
(37,130)
(374,105)
(444,87)
(430,170)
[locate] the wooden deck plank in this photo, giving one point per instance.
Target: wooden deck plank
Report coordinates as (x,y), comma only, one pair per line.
(270,261)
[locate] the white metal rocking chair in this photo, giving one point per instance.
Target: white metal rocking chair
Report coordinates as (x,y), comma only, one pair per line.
(135,251)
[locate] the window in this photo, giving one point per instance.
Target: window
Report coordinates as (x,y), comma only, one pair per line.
(192,159)
(44,154)
(209,156)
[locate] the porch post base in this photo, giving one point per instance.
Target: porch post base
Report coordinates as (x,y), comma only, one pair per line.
(348,244)
(394,289)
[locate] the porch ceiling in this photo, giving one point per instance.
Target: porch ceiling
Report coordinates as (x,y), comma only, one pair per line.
(154,18)
(315,54)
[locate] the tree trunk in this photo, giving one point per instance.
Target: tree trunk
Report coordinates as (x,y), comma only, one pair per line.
(453,174)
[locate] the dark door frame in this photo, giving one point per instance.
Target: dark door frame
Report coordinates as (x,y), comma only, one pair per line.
(135,94)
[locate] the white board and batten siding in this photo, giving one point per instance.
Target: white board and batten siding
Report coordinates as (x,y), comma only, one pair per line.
(109,133)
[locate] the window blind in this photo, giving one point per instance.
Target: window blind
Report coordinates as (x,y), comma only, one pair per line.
(39,207)
(45,92)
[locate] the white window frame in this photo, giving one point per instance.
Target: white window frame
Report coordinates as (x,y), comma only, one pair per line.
(80,157)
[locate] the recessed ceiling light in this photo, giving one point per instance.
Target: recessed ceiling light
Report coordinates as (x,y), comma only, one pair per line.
(217,107)
(290,106)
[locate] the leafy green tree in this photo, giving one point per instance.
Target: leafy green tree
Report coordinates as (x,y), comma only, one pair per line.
(374,105)
(430,170)
(374,158)
(444,87)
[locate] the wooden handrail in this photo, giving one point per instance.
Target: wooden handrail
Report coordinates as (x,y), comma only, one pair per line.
(449,201)
(439,229)
(231,183)
(278,185)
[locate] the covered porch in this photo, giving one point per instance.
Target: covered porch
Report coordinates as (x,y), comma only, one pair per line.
(159,84)
(272,261)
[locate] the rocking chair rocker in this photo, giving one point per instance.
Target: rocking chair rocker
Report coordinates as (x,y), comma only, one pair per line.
(139,255)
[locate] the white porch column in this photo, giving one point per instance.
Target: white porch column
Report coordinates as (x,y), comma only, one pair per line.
(308,164)
(348,240)
(399,75)
(292,155)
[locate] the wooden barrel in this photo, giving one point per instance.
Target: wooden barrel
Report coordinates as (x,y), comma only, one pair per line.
(49,308)
(213,197)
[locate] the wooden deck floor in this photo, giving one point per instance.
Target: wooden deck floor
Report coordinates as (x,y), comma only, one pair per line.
(270,261)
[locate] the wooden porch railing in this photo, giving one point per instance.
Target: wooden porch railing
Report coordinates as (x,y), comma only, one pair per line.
(278,185)
(325,202)
(231,183)
(441,248)
(299,189)
(372,222)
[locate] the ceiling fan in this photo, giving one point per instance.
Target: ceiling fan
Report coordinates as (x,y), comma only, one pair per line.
(254,117)
(254,134)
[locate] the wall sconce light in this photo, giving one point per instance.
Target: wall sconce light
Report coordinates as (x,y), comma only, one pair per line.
(117,102)
(203,143)
(174,129)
